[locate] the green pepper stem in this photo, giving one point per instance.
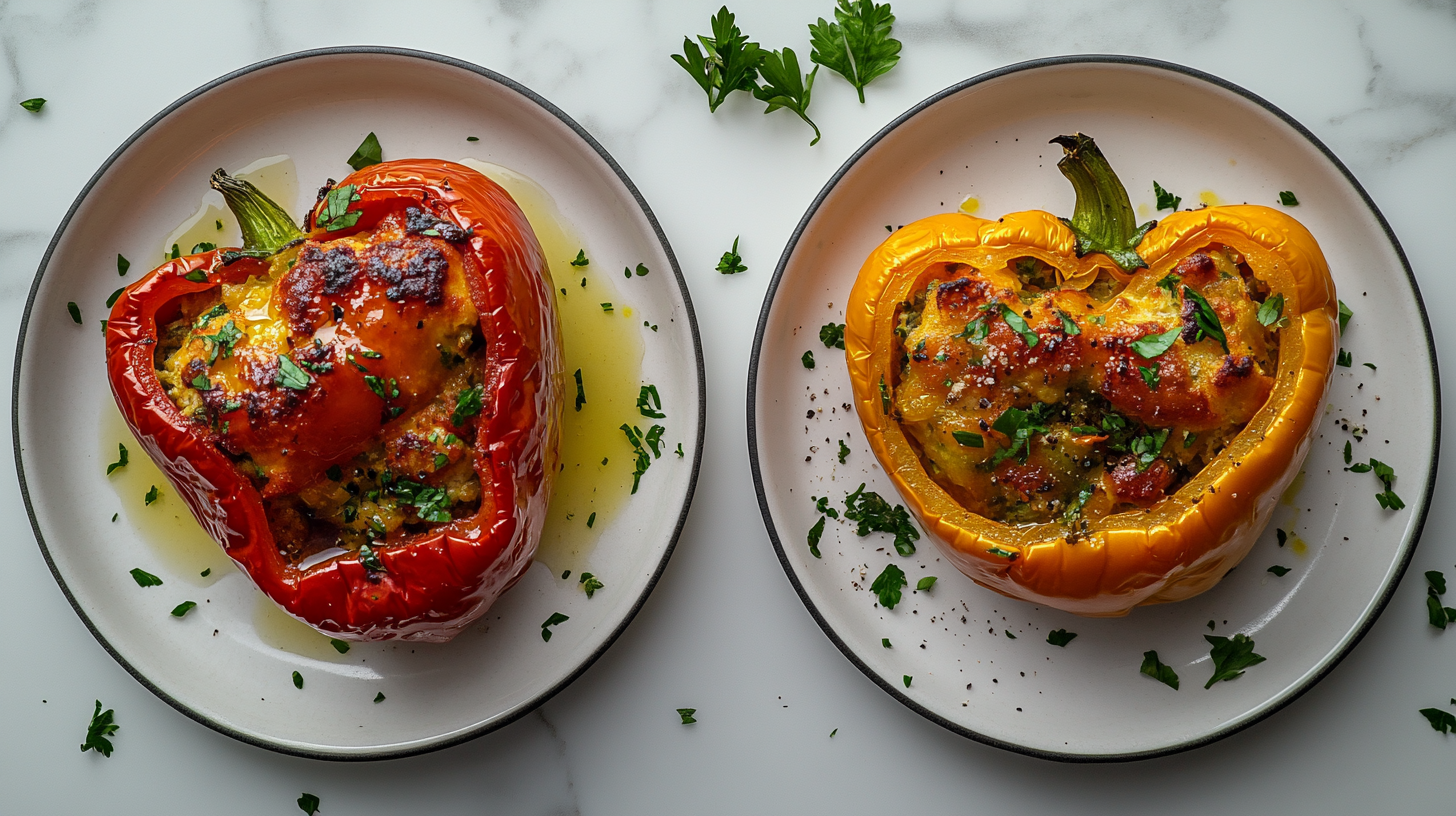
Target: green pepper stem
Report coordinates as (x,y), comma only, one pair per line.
(266,227)
(1103,219)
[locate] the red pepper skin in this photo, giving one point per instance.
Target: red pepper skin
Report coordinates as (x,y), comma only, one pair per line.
(435,583)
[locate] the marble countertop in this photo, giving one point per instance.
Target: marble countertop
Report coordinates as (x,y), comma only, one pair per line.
(724,631)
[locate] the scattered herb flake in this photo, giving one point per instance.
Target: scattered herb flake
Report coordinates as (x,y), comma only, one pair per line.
(467,405)
(75,311)
(102,725)
(808,359)
(1060,637)
(152,495)
(885,642)
(308,803)
(874,514)
(1165,199)
(1442,721)
(1018,324)
(832,335)
(907,678)
(924,584)
(649,404)
(368,153)
(291,376)
(590,583)
(1151,376)
(379,698)
(887,587)
(1286,197)
(1271,311)
(335,214)
(843,451)
(1345,315)
(1344,359)
(297,680)
(1154,668)
(121,460)
(1279,571)
(34,106)
(122,265)
(1206,319)
(340,646)
(687,715)
(183,608)
(1069,326)
(1152,345)
(1230,657)
(556,617)
(815,533)
(591,520)
(732,263)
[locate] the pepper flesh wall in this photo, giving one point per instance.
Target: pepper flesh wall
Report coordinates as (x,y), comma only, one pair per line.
(1090,414)
(366,417)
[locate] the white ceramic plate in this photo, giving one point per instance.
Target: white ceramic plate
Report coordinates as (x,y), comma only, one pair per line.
(987,139)
(229,663)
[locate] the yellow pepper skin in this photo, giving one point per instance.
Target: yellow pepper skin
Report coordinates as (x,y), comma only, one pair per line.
(1185,543)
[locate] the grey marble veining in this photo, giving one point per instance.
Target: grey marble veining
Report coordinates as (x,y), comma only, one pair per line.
(724,632)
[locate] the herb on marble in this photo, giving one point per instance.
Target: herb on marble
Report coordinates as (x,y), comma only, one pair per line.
(687,715)
(732,263)
(34,105)
(857,45)
(727,62)
(784,87)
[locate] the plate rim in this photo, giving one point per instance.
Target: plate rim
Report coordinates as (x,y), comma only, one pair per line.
(1419,517)
(531,704)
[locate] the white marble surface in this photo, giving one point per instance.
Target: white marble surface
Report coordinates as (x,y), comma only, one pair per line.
(723,632)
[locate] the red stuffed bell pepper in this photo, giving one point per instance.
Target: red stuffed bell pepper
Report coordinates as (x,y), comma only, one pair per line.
(365,416)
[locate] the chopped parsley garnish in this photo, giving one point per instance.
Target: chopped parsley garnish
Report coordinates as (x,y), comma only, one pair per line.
(607,306)
(308,803)
(369,559)
(1271,311)
(1286,197)
(874,514)
(183,608)
(1060,637)
(1147,447)
(34,106)
(1166,200)
(591,520)
(924,584)
(1018,426)
(815,533)
(1069,326)
(784,87)
(556,617)
(857,45)
(1230,657)
(641,270)
(975,330)
(175,253)
(379,697)
(1150,376)
(1386,475)
(102,725)
(1439,615)
(1278,570)
(885,642)
(580,392)
(1074,507)
(1345,315)
(196,276)
(201,383)
(808,359)
(1442,721)
(1170,283)
(687,715)
(1344,359)
(431,504)
(968,439)
(382,389)
(368,153)
(580,259)
(122,265)
(336,215)
(832,335)
(1370,366)
(1008,634)
(884,397)
(590,583)
(1150,346)
(206,572)
(75,311)
(1154,668)
(1000,553)
(120,462)
(1206,319)
(732,263)
(152,495)
(340,646)
(1019,325)
(144,578)
(467,405)
(822,505)
(649,404)
(843,451)
(222,342)
(906,680)
(637,439)
(202,246)
(290,375)
(730,64)
(888,585)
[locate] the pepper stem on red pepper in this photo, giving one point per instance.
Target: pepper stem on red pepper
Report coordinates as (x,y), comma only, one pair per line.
(266,227)
(1103,219)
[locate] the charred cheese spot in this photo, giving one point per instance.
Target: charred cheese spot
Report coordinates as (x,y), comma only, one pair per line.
(1107,429)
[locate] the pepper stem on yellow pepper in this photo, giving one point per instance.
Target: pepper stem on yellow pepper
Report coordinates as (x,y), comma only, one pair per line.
(266,227)
(1103,219)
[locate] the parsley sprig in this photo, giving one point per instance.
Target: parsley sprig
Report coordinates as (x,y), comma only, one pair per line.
(727,62)
(784,87)
(875,515)
(857,45)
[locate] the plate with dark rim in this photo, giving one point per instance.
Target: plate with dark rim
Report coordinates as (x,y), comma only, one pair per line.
(978,663)
(230,662)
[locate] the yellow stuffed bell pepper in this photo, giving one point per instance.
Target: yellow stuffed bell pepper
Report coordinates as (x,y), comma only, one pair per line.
(1088,414)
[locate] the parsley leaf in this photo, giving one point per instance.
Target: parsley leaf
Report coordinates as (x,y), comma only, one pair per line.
(885,642)
(815,533)
(1166,200)
(336,215)
(1206,319)
(832,335)
(580,259)
(1278,570)
(122,265)
(924,584)
(644,460)
(75,311)
(1170,282)
(907,678)
(649,404)
(102,725)
(1230,657)
(379,697)
(732,263)
(297,680)
(1069,326)
(556,617)
(687,715)
(144,578)
(1442,721)
(290,375)
(369,559)
(975,330)
(1060,637)
(1152,345)
(1018,324)
(368,153)
(34,106)
(467,405)
(726,63)
(222,342)
(1150,376)
(1154,668)
(340,646)
(874,514)
(843,451)
(888,585)
(1271,311)
(969,439)
(1286,197)
(1345,315)
(119,463)
(152,496)
(785,88)
(580,392)
(1344,359)
(590,583)
(858,45)
(808,359)
(1437,580)
(183,608)
(308,803)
